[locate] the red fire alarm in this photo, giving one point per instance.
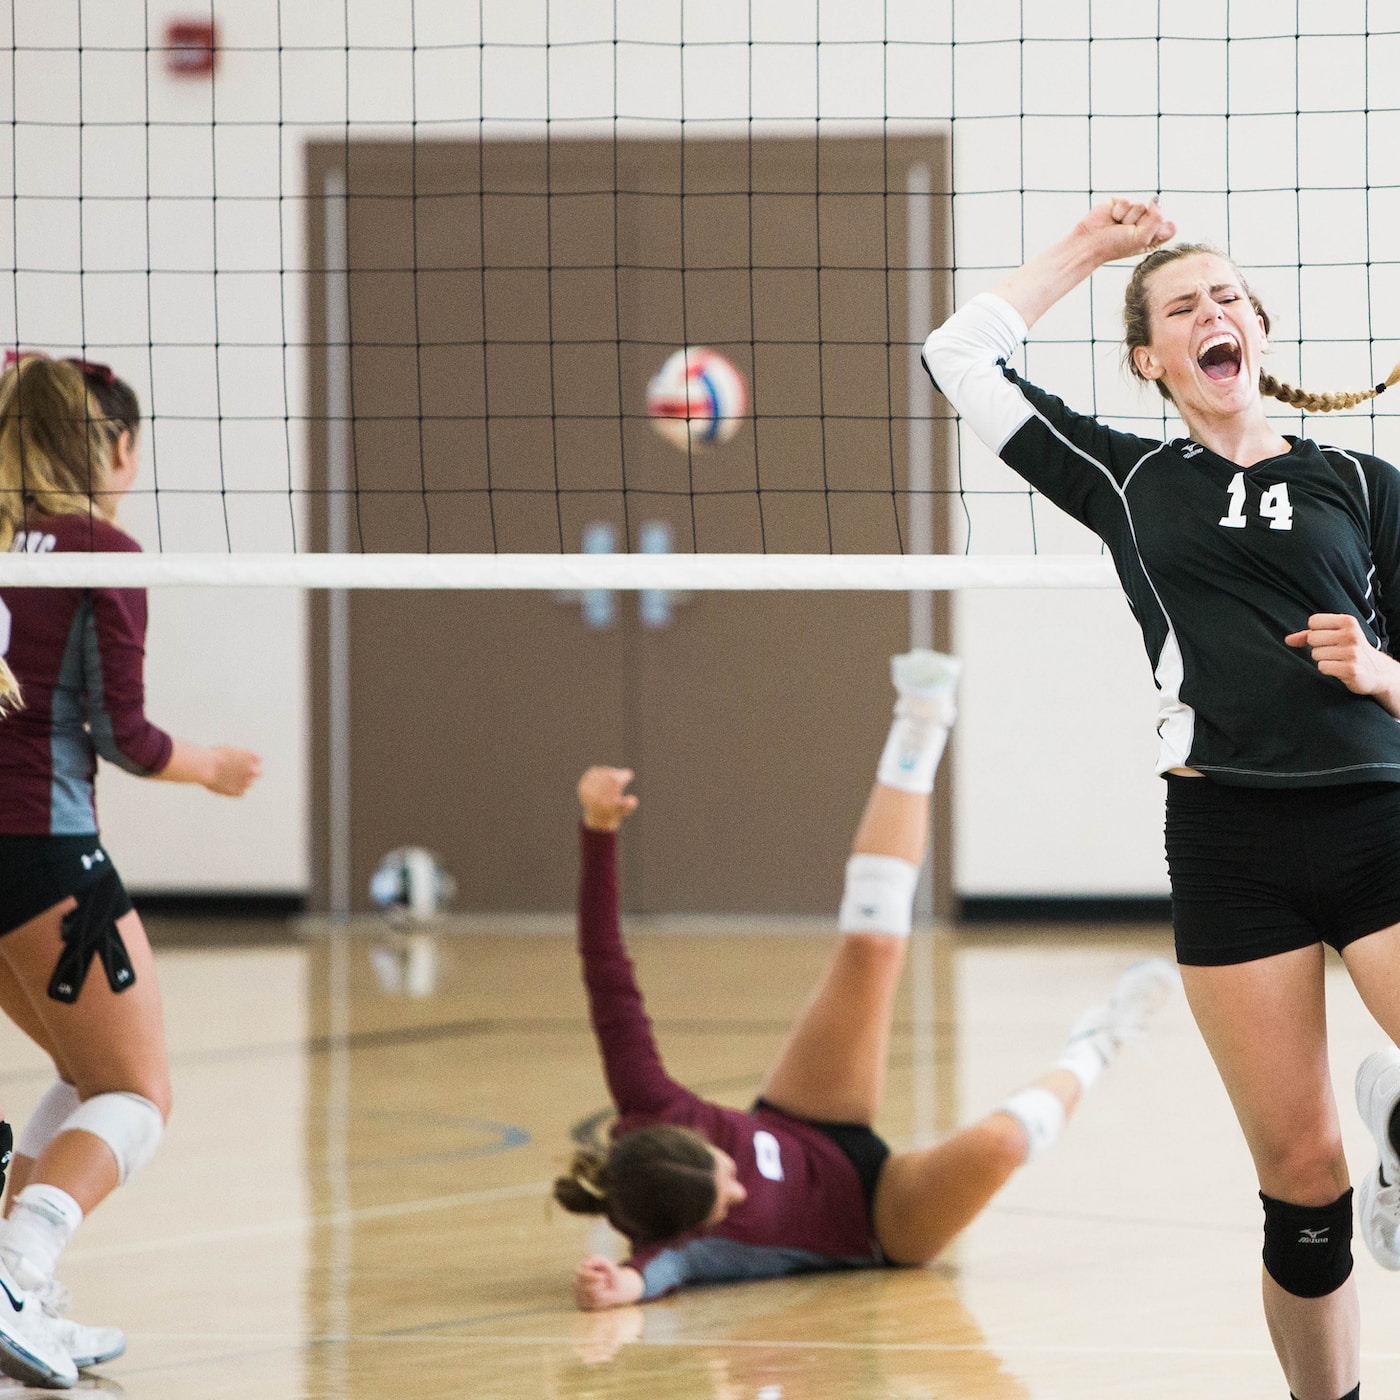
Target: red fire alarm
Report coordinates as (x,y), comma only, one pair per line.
(191,46)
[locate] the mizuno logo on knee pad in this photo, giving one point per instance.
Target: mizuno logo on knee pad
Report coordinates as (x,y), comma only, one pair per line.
(1307,1249)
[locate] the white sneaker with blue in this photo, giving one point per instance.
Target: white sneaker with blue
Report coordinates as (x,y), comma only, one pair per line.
(32,1348)
(1099,1033)
(88,1346)
(930,677)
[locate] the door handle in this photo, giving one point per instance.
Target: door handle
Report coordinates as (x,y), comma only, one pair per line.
(597,605)
(655,606)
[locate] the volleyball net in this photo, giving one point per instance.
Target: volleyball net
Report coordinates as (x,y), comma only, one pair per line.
(398,286)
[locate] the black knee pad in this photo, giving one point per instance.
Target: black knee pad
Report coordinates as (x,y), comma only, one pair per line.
(1307,1249)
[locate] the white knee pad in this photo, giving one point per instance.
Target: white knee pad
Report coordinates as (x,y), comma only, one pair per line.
(130,1125)
(47,1120)
(879,896)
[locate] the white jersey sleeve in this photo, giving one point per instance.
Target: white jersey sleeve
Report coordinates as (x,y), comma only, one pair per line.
(964,357)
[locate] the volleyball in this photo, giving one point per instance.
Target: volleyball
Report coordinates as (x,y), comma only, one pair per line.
(410,886)
(697,398)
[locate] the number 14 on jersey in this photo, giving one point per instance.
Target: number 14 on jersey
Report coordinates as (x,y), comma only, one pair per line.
(1274,507)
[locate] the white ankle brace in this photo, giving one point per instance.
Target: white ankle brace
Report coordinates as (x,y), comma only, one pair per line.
(1086,1059)
(879,895)
(1040,1113)
(914,747)
(39,1226)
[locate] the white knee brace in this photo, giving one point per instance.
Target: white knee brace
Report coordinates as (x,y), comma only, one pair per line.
(47,1120)
(130,1125)
(879,895)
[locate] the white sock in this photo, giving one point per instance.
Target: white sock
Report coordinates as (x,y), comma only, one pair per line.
(41,1223)
(1040,1113)
(1091,1046)
(915,744)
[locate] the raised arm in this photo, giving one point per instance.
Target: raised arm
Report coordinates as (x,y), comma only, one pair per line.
(1077,462)
(1117,228)
(636,1078)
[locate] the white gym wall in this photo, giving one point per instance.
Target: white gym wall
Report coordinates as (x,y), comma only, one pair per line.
(1055,744)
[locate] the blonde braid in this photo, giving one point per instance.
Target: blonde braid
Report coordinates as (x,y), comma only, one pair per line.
(1322,403)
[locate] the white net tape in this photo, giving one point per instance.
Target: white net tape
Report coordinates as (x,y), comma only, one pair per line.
(679,572)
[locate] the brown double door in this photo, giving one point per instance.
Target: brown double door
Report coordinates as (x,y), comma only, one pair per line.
(508,302)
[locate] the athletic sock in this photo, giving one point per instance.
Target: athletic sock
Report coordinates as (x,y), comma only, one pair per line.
(1354,1394)
(40,1225)
(915,744)
(926,683)
(1040,1113)
(1394,1132)
(1090,1048)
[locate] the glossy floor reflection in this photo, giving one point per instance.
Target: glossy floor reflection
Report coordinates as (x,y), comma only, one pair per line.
(351,1202)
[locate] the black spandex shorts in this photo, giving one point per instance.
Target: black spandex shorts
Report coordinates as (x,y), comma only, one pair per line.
(36,872)
(865,1147)
(1261,871)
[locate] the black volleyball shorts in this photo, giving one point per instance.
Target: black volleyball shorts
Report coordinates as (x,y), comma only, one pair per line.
(1261,871)
(36,872)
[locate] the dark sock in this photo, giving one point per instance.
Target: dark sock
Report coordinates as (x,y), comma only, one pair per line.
(1394,1132)
(1350,1395)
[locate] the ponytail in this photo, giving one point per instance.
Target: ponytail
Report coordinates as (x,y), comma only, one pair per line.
(1322,403)
(581,1191)
(59,423)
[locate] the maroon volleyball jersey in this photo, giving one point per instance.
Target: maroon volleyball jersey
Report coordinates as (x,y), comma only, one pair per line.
(805,1207)
(78,654)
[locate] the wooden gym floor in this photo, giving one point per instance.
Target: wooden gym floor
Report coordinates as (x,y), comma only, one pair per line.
(351,1199)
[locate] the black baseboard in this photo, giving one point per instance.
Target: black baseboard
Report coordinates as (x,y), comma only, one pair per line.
(198,919)
(201,904)
(1065,909)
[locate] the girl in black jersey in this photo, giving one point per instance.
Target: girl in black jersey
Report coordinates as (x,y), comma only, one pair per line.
(1264,572)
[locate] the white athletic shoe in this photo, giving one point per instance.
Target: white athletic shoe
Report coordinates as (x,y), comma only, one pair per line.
(30,1348)
(1139,994)
(1142,991)
(88,1346)
(1378,1198)
(930,676)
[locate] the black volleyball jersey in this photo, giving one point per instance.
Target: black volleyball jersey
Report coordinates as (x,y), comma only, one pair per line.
(1219,564)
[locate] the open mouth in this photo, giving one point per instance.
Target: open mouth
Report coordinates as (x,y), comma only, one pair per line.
(1219,357)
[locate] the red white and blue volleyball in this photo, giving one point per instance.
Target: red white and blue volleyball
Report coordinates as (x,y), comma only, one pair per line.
(697,399)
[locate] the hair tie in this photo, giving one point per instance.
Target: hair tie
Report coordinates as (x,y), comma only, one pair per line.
(598,1195)
(102,373)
